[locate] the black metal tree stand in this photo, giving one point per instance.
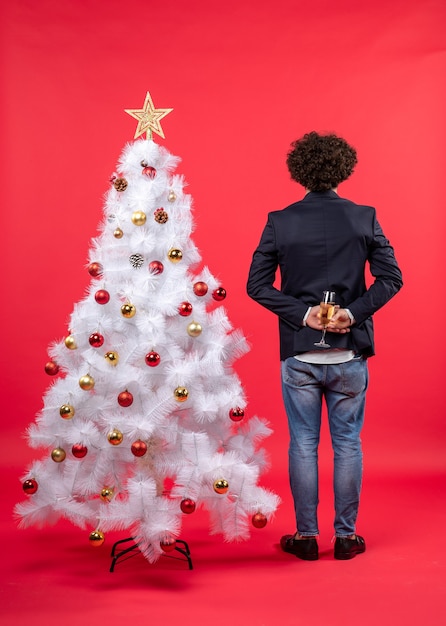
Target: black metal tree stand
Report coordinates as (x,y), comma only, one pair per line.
(120,554)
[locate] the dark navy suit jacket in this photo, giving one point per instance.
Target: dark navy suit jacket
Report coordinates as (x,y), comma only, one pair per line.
(323,242)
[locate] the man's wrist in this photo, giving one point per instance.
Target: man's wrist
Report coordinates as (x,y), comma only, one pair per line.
(349,313)
(304,321)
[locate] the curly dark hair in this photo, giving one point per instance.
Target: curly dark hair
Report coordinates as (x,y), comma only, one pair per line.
(321,162)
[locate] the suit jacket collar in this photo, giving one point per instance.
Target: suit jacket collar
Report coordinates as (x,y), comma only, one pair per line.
(321,194)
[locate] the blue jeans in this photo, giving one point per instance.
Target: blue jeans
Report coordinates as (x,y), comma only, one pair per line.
(344,387)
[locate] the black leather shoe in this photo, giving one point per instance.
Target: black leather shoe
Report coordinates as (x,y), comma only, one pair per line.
(345,548)
(305,549)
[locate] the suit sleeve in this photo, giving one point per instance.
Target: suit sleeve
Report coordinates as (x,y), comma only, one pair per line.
(388,278)
(262,275)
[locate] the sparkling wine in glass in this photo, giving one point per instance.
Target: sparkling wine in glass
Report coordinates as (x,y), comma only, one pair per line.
(326,312)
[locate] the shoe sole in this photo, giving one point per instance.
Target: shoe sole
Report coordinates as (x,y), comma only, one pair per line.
(347,555)
(307,558)
(304,557)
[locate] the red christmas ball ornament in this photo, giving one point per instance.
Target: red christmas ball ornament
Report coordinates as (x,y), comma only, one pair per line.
(219,294)
(96,340)
(185,309)
(156,267)
(259,520)
(102,296)
(187,506)
(153,358)
(30,486)
(236,414)
(149,171)
(200,288)
(125,398)
(139,448)
(95,269)
(168,544)
(79,451)
(51,368)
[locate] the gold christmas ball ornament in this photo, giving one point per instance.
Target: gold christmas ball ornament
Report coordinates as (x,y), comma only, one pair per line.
(112,358)
(139,218)
(175,255)
(115,437)
(66,411)
(86,382)
(107,494)
(172,196)
(58,455)
(128,310)
(181,394)
(70,343)
(118,233)
(194,329)
(96,538)
(221,486)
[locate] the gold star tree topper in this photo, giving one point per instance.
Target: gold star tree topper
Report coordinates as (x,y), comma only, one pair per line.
(148,118)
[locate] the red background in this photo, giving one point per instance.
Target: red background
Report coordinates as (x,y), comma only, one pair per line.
(244,78)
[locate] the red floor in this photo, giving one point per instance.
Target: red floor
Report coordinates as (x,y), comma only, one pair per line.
(53,575)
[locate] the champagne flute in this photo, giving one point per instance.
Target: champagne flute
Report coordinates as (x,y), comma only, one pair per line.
(326,312)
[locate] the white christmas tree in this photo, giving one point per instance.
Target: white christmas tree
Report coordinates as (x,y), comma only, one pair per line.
(145,419)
